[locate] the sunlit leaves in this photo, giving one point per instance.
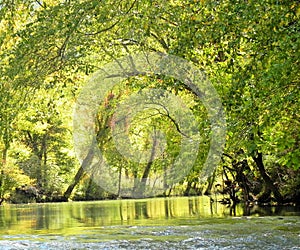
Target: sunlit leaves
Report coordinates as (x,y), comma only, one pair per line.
(248,49)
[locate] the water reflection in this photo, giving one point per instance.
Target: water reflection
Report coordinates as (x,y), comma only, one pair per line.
(160,211)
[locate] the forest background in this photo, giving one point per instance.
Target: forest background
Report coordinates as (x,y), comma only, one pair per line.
(249,50)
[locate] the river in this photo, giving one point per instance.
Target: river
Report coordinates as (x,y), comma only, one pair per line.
(160,223)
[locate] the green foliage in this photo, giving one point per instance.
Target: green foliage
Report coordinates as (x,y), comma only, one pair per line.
(248,49)
(11,177)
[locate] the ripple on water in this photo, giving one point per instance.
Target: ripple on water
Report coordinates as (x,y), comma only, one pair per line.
(252,241)
(257,233)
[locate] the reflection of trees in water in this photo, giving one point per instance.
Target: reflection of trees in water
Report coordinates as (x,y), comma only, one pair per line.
(272,210)
(171,208)
(8,217)
(63,216)
(168,210)
(141,210)
(192,207)
(42,218)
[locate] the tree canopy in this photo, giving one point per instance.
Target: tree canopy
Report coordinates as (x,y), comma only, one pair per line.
(249,51)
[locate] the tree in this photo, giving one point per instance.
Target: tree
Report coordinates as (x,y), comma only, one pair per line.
(248,50)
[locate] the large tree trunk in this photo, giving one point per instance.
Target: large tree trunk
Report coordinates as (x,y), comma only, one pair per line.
(4,156)
(241,178)
(258,159)
(142,184)
(210,181)
(188,188)
(2,173)
(119,182)
(80,173)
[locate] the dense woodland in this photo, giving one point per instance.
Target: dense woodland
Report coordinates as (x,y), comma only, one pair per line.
(248,49)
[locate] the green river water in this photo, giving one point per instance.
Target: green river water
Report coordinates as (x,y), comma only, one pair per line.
(160,223)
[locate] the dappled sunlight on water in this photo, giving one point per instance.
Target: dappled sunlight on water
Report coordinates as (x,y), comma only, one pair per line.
(172,223)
